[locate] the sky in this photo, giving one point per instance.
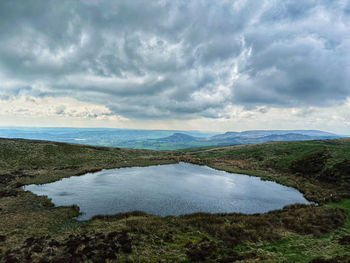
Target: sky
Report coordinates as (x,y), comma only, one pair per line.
(176,64)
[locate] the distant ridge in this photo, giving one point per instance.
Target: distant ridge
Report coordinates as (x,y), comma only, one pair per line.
(179,137)
(181,140)
(262,133)
(160,139)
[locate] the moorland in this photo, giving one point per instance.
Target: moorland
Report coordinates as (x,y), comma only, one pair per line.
(32,229)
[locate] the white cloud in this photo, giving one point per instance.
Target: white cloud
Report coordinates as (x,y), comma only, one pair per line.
(38,107)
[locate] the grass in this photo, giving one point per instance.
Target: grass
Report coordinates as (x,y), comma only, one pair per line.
(304,248)
(275,161)
(344,204)
(32,227)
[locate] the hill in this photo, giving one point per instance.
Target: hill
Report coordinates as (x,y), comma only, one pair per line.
(179,137)
(262,133)
(33,229)
(109,137)
(158,139)
(181,140)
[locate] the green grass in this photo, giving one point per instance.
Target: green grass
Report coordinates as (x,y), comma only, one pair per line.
(159,145)
(303,248)
(344,204)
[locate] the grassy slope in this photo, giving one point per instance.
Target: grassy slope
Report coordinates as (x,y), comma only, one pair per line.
(43,161)
(293,234)
(303,248)
(273,161)
(157,144)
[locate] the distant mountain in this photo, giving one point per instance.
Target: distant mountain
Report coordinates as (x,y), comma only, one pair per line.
(93,136)
(181,140)
(263,133)
(179,137)
(268,138)
(159,139)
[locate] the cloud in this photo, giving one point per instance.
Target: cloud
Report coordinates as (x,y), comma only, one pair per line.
(305,61)
(27,106)
(176,59)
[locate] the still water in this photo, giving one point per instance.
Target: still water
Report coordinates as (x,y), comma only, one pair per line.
(167,190)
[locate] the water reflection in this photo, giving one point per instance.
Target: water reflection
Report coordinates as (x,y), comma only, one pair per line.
(167,190)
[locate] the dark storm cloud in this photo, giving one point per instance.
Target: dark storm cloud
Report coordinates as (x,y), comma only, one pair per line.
(299,56)
(177,59)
